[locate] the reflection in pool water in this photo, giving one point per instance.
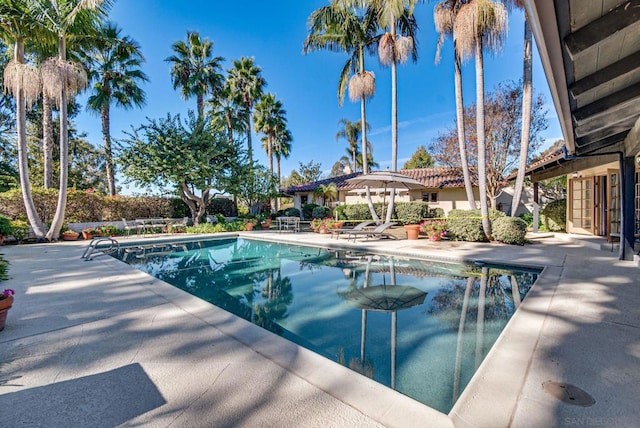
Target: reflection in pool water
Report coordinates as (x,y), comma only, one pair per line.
(420,327)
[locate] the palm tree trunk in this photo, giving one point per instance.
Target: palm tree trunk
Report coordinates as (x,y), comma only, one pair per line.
(249,146)
(394,119)
(279,174)
(23,166)
(47,142)
(527,99)
(58,218)
(200,105)
(108,156)
(482,167)
(461,134)
(365,148)
(272,201)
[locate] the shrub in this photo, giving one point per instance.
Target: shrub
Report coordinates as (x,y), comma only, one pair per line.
(307,210)
(434,229)
(412,212)
(466,225)
(5,226)
(510,230)
(292,212)
(20,229)
(222,206)
(339,211)
(320,212)
(436,213)
(4,267)
(357,212)
(555,215)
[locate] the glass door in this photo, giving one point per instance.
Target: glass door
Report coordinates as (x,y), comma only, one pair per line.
(582,205)
(614,203)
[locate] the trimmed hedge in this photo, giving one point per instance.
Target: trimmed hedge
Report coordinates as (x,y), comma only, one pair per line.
(307,210)
(411,212)
(321,212)
(510,230)
(555,215)
(466,225)
(91,207)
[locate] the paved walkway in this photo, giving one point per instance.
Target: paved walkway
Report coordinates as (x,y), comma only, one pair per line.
(101,344)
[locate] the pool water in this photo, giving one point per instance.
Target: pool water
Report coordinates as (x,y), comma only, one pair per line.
(420,327)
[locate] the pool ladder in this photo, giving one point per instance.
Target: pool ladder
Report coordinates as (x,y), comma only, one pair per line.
(95,248)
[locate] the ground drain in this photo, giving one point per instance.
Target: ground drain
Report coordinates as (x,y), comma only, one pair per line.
(568,393)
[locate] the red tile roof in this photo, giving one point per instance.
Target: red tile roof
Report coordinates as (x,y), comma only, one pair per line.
(432,178)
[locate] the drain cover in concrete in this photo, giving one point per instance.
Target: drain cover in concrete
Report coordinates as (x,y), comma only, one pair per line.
(568,393)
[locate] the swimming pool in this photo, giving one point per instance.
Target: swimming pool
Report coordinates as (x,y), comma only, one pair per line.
(421,327)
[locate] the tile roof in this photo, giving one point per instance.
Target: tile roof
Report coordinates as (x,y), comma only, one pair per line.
(432,178)
(552,157)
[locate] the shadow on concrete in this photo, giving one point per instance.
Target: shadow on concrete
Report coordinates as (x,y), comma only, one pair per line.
(102,400)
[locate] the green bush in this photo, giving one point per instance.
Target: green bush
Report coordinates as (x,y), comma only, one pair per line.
(466,225)
(339,212)
(307,210)
(555,215)
(292,212)
(5,226)
(321,212)
(358,212)
(20,229)
(230,226)
(411,212)
(510,230)
(436,213)
(222,206)
(4,268)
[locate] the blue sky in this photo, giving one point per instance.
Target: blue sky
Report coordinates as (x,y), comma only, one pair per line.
(272,33)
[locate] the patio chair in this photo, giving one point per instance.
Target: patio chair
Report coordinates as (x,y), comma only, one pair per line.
(378,232)
(129,226)
(360,226)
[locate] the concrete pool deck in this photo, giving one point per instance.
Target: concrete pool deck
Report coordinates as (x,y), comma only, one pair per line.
(101,344)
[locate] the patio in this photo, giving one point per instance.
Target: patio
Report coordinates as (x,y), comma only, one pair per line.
(100,344)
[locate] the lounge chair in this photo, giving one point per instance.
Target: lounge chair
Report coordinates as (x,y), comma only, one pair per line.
(378,232)
(359,226)
(129,226)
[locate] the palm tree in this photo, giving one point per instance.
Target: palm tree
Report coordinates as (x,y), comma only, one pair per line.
(444,16)
(480,24)
(339,28)
(246,81)
(62,78)
(194,70)
(22,81)
(269,116)
(282,149)
(351,132)
(115,67)
(527,101)
(328,192)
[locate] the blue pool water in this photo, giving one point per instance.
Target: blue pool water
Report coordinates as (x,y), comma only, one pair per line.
(420,327)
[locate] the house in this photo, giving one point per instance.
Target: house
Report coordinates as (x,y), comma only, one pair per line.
(591,58)
(443,188)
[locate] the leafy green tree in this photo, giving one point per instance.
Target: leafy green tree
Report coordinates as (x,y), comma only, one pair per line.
(256,186)
(115,62)
(247,86)
(420,159)
(194,70)
(310,171)
(192,156)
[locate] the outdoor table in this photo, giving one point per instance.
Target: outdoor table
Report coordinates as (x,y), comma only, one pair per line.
(288,223)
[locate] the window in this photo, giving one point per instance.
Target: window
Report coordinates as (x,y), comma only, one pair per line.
(430,197)
(304,199)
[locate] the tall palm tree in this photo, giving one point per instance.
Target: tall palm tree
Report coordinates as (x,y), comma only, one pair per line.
(395,46)
(194,70)
(282,149)
(351,132)
(115,67)
(246,81)
(527,102)
(22,81)
(343,28)
(444,15)
(480,24)
(269,116)
(62,78)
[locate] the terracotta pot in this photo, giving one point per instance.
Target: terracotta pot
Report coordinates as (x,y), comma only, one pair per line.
(413,230)
(5,305)
(87,235)
(248,226)
(70,236)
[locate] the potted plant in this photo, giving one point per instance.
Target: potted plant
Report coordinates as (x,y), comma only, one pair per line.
(434,229)
(5,228)
(88,232)
(106,230)
(69,235)
(6,301)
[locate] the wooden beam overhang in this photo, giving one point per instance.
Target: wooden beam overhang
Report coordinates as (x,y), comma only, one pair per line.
(568,166)
(632,140)
(609,144)
(619,69)
(594,33)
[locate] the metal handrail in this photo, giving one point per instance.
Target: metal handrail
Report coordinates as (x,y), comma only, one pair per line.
(93,250)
